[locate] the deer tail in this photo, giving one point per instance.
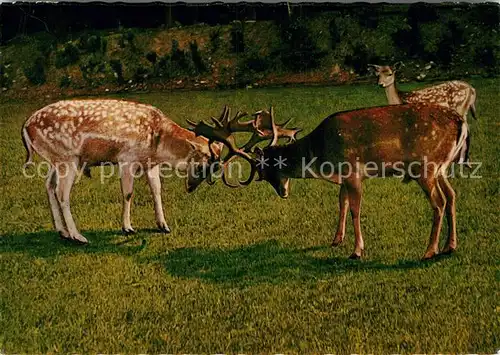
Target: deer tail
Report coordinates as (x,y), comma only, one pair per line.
(29,147)
(461,151)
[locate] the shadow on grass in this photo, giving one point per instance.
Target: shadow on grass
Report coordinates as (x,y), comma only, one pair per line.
(266,262)
(48,243)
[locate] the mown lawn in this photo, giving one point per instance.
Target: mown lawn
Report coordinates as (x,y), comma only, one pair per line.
(243,270)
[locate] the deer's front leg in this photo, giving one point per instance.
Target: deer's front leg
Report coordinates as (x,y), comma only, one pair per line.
(343,206)
(66,173)
(354,192)
(153,176)
(127,186)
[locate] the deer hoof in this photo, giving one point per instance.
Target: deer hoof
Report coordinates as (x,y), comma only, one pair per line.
(429,255)
(77,238)
(355,256)
(337,241)
(447,250)
(64,234)
(128,231)
(164,229)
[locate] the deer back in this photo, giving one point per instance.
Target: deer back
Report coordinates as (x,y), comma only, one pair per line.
(405,133)
(107,131)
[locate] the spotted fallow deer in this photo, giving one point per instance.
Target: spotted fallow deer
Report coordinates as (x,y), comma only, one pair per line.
(417,140)
(78,134)
(457,95)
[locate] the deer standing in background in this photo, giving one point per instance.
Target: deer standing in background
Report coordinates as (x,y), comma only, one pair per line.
(78,134)
(457,95)
(417,140)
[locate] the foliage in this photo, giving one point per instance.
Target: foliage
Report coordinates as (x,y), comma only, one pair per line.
(237,38)
(5,78)
(117,68)
(93,68)
(67,56)
(65,81)
(35,71)
(298,51)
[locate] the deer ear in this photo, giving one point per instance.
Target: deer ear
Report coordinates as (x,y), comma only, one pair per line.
(373,67)
(397,66)
(192,145)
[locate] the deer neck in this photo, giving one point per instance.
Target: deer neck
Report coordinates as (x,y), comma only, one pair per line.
(299,159)
(392,94)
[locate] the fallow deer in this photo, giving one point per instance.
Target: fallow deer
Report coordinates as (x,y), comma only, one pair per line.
(418,140)
(78,134)
(457,95)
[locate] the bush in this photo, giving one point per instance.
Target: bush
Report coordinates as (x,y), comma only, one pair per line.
(92,43)
(237,39)
(117,68)
(65,82)
(66,56)
(215,40)
(298,51)
(35,71)
(5,80)
(152,57)
(197,58)
(92,67)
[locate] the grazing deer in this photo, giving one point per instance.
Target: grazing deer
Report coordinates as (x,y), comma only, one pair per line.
(457,95)
(417,140)
(78,134)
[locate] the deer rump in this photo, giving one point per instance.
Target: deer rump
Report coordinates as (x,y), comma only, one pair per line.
(389,138)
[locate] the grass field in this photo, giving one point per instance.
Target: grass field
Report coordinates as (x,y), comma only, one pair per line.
(243,270)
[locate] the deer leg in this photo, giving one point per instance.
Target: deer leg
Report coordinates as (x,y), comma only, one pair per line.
(343,206)
(438,203)
(451,242)
(127,186)
(57,217)
(153,176)
(67,173)
(354,192)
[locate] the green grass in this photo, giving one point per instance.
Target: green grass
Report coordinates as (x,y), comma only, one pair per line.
(243,270)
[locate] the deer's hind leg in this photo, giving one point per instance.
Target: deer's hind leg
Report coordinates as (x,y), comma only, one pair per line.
(451,242)
(436,197)
(57,217)
(66,173)
(354,193)
(153,176)
(343,207)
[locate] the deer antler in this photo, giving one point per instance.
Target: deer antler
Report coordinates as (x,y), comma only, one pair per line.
(222,132)
(262,127)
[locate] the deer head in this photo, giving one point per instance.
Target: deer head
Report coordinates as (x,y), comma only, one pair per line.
(262,127)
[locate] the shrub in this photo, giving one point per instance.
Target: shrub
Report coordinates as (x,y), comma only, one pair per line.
(92,43)
(66,56)
(197,58)
(65,82)
(117,68)
(298,51)
(35,71)
(237,39)
(152,57)
(91,68)
(5,80)
(215,40)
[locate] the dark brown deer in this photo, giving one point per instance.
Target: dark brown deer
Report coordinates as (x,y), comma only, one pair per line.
(418,141)
(78,134)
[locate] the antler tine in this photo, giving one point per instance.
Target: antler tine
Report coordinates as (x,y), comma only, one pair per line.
(274,141)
